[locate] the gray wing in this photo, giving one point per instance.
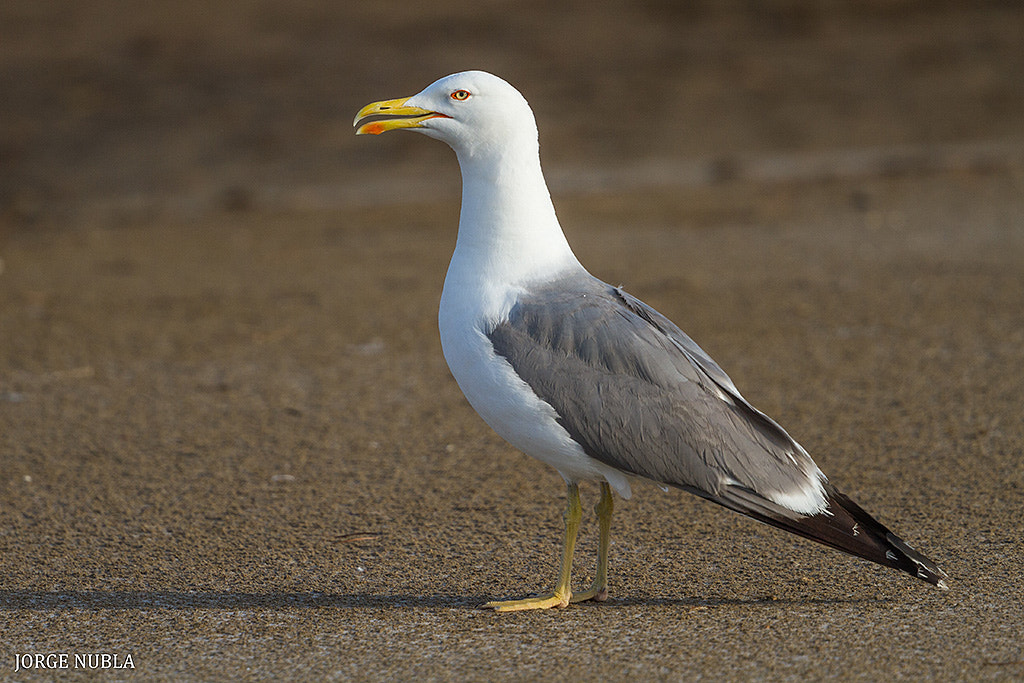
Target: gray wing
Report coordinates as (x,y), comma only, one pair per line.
(638,394)
(641,396)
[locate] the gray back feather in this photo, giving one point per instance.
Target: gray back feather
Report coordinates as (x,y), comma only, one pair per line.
(638,394)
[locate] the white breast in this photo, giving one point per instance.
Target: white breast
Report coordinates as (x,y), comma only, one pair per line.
(470,307)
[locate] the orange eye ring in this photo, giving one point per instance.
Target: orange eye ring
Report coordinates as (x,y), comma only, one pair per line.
(460,95)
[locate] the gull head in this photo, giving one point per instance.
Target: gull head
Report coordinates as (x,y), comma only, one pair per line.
(474,112)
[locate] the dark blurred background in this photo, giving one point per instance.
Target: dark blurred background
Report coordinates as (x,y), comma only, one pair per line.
(121,109)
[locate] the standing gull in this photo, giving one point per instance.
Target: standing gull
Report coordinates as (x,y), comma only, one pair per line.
(585,377)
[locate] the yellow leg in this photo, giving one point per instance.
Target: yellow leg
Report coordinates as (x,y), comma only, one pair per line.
(598,590)
(563,591)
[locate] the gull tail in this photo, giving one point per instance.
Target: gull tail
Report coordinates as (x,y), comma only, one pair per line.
(844,526)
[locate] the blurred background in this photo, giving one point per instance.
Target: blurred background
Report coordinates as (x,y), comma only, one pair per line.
(187,106)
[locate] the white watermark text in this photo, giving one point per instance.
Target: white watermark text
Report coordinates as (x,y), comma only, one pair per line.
(73,660)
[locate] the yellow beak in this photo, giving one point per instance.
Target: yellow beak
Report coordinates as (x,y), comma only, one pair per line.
(395,115)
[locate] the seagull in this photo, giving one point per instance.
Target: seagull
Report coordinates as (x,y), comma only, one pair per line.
(587,378)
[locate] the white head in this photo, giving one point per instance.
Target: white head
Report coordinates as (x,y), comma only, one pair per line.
(508,230)
(476,113)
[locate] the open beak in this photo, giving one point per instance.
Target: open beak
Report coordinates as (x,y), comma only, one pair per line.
(391,115)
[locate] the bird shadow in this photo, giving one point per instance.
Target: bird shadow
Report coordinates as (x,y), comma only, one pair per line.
(170,600)
(162,600)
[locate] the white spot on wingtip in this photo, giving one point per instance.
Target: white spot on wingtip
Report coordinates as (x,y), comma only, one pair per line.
(809,500)
(856,531)
(890,555)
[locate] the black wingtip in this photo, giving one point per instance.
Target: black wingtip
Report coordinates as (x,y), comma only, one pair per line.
(902,556)
(858,533)
(847,527)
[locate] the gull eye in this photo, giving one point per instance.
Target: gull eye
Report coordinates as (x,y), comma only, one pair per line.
(460,95)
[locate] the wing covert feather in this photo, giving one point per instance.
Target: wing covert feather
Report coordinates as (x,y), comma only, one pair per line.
(638,394)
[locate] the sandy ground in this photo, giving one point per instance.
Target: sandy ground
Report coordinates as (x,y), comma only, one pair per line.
(229,445)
